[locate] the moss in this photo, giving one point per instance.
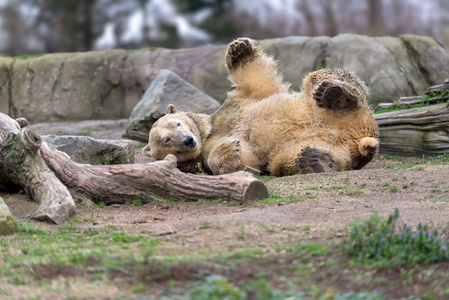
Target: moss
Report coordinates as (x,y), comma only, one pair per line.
(28,56)
(8,225)
(141,49)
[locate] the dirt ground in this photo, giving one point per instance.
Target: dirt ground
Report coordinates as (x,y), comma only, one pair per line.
(418,187)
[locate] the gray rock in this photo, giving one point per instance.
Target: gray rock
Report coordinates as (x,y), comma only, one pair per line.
(86,150)
(167,88)
(8,224)
(108,84)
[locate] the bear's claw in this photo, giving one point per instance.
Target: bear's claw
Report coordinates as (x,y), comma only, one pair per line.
(239,50)
(311,160)
(331,96)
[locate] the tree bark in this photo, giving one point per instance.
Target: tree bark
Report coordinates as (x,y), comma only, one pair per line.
(151,181)
(21,165)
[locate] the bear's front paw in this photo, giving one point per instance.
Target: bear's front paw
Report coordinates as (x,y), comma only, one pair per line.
(311,160)
(225,158)
(331,96)
(239,51)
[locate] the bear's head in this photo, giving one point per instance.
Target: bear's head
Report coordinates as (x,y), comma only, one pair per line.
(178,133)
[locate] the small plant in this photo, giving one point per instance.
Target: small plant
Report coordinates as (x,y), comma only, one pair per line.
(138,202)
(349,191)
(274,198)
(206,225)
(381,242)
(432,95)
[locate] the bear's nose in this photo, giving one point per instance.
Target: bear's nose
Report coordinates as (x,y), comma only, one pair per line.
(189,141)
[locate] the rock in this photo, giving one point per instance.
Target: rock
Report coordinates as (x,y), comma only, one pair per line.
(108,84)
(167,88)
(86,150)
(8,224)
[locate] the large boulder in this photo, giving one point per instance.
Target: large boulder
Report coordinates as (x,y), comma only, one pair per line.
(108,84)
(167,88)
(86,150)
(8,224)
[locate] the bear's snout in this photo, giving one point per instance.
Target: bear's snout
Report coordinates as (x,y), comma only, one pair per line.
(190,142)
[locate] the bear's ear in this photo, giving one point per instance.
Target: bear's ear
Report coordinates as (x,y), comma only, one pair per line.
(171,109)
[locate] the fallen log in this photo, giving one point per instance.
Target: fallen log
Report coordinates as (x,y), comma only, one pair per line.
(415,131)
(20,164)
(159,180)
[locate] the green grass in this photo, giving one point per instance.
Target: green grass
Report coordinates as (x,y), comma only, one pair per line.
(107,255)
(206,225)
(138,202)
(432,95)
(397,106)
(381,242)
(67,245)
(274,198)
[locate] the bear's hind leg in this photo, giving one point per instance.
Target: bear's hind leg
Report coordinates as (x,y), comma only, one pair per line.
(313,160)
(309,157)
(253,73)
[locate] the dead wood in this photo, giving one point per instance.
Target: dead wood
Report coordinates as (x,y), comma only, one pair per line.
(20,164)
(151,181)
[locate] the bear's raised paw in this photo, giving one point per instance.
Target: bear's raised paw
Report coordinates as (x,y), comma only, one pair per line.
(331,96)
(311,160)
(239,51)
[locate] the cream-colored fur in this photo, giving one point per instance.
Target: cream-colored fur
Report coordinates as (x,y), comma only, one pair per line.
(181,134)
(327,126)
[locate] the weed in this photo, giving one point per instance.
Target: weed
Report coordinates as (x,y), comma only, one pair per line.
(138,202)
(206,225)
(314,249)
(417,169)
(405,186)
(390,187)
(267,228)
(89,130)
(289,228)
(436,190)
(380,242)
(396,167)
(267,177)
(139,145)
(353,191)
(203,201)
(345,179)
(274,198)
(432,95)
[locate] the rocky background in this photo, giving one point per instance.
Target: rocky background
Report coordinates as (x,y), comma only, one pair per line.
(108,84)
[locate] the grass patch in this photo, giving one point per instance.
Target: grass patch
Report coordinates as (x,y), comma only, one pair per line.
(274,198)
(206,225)
(397,106)
(381,242)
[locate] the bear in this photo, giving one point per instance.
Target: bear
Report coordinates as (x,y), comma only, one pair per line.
(181,134)
(327,126)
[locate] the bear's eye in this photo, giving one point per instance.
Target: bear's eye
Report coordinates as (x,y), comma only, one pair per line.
(167,140)
(179,124)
